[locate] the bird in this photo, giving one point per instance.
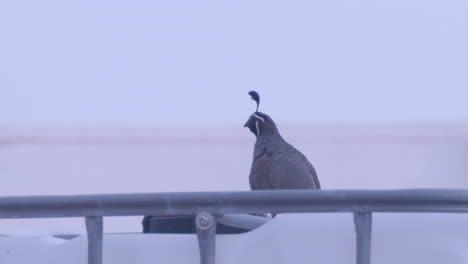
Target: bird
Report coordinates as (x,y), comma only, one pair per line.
(276,165)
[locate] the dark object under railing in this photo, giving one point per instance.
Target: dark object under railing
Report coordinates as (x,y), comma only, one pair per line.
(185,224)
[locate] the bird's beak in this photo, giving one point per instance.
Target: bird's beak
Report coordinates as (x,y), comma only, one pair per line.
(248,122)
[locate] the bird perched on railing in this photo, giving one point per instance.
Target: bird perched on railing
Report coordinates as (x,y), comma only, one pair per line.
(276,163)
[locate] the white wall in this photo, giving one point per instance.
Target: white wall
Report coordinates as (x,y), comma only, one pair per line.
(48,160)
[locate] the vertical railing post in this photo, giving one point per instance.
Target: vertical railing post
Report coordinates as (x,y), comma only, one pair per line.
(205,225)
(94,228)
(363,227)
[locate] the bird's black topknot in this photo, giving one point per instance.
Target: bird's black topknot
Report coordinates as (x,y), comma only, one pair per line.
(256,97)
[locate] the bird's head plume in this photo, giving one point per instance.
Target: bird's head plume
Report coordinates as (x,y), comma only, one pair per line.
(256,97)
(260,123)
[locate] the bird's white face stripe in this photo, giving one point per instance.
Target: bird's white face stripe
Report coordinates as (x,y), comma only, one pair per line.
(258,129)
(259,117)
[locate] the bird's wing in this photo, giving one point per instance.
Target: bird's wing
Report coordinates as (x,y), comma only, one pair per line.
(290,169)
(312,171)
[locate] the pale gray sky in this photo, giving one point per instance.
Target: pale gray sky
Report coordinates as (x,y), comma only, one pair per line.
(158,62)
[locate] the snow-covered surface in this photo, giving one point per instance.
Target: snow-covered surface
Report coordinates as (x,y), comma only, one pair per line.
(295,238)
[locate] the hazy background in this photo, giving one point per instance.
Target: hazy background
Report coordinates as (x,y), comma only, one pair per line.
(146,96)
(192,62)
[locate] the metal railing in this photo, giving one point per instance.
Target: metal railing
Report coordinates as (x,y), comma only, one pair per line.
(208,205)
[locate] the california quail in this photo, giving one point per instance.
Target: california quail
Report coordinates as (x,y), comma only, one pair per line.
(276,164)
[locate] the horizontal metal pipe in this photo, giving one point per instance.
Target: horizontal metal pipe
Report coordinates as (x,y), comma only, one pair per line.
(278,201)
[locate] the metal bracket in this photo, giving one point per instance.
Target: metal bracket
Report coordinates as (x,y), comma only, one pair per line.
(94,228)
(363,226)
(205,224)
